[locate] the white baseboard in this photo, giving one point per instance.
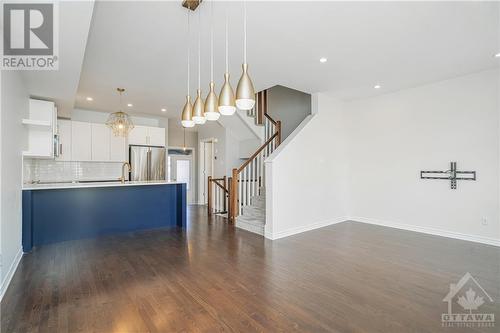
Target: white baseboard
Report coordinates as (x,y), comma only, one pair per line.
(428,230)
(298,230)
(425,230)
(10,273)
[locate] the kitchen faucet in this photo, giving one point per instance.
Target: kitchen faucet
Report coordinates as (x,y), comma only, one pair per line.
(125,164)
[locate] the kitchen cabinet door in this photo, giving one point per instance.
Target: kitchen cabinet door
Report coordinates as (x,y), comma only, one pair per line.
(100,142)
(117,148)
(156,136)
(81,141)
(138,136)
(64,131)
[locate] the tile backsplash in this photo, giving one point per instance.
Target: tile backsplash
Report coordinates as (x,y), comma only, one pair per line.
(37,170)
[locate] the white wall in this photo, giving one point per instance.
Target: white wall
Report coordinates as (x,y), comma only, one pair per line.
(14,107)
(393,137)
(306,177)
(290,106)
(361,160)
(214,130)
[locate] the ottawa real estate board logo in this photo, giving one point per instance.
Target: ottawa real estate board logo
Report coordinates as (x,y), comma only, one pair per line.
(465,299)
(30,36)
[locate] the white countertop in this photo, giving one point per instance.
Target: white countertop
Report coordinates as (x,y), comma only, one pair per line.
(54,186)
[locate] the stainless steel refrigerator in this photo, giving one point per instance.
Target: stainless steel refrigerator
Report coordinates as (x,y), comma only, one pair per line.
(147,163)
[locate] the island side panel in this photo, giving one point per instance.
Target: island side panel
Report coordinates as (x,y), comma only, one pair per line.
(67,214)
(181,205)
(27,232)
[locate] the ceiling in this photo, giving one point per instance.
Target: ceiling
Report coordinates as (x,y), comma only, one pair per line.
(141,46)
(61,86)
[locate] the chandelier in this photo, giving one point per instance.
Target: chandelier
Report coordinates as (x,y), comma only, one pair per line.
(120,122)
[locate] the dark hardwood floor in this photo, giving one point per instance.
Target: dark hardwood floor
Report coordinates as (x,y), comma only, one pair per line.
(349,277)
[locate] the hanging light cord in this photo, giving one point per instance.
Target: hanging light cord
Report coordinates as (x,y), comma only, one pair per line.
(244,31)
(120,100)
(212,41)
(199,49)
(188,52)
(227,52)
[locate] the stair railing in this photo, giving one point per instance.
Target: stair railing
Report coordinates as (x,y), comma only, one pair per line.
(248,179)
(218,195)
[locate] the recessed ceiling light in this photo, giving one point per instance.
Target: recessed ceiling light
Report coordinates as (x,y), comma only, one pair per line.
(497,55)
(130,105)
(377,86)
(323,60)
(90,99)
(163,110)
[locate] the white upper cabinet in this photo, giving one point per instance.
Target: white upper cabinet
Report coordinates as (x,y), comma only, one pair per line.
(100,142)
(64,131)
(84,141)
(138,136)
(147,136)
(118,148)
(41,126)
(81,141)
(156,136)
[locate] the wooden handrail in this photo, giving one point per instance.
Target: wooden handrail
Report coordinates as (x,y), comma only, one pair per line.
(270,119)
(257,153)
(218,179)
(222,186)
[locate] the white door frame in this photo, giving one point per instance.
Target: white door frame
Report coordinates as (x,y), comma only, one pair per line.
(201,176)
(194,185)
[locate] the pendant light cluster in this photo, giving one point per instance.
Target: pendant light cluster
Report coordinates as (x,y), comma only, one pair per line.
(227,102)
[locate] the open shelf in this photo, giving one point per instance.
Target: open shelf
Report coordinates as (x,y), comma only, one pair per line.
(32,154)
(37,123)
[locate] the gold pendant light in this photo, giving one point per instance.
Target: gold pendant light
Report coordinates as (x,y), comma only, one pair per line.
(187,110)
(227,104)
(187,113)
(120,122)
(199,106)
(211,102)
(245,93)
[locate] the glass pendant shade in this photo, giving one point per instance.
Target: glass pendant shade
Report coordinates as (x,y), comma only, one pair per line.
(212,104)
(245,93)
(199,109)
(187,113)
(120,123)
(227,105)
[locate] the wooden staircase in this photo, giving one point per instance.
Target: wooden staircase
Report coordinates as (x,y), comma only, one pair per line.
(244,192)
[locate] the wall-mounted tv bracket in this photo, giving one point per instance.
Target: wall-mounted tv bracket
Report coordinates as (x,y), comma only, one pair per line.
(452,175)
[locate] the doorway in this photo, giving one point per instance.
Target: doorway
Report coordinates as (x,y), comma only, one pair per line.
(207,158)
(180,166)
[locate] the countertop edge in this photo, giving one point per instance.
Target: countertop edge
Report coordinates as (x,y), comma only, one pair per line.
(92,185)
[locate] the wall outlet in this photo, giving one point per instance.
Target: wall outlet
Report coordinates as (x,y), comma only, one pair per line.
(484,220)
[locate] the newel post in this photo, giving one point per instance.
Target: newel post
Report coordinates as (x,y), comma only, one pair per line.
(225,187)
(209,196)
(234,196)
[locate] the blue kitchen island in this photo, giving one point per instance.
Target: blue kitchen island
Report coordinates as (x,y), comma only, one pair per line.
(61,212)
